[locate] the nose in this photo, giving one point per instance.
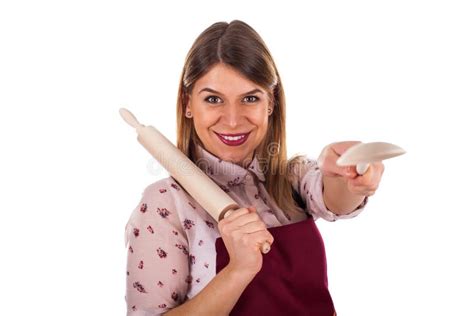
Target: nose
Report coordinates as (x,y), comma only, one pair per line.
(232,115)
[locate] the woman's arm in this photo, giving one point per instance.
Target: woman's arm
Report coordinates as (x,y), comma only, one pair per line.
(157,260)
(218,297)
(308,181)
(243,232)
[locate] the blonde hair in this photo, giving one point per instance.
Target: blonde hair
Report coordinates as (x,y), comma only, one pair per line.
(239,46)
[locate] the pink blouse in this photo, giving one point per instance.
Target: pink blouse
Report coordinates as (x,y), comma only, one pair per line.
(170,239)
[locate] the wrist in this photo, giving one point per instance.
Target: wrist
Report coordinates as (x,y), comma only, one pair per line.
(239,275)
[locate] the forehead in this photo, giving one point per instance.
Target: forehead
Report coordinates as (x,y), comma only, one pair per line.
(226,80)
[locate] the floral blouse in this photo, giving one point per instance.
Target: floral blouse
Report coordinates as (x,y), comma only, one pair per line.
(170,238)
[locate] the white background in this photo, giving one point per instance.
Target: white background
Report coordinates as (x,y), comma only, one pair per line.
(72,170)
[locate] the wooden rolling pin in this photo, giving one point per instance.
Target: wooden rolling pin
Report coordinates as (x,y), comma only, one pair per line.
(206,192)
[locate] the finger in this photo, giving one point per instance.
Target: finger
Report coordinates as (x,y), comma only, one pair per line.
(245,219)
(364,179)
(329,166)
(350,172)
(340,147)
(361,189)
(253,227)
(362,192)
(232,215)
(358,184)
(259,238)
(335,151)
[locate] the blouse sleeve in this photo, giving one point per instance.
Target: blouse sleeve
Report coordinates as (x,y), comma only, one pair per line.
(308,182)
(157,256)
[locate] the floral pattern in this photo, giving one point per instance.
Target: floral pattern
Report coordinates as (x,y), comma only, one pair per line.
(170,238)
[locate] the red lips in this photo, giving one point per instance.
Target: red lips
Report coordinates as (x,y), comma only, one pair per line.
(233,142)
(232,135)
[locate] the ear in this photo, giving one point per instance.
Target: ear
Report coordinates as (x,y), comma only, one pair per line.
(270,108)
(188,104)
(271,105)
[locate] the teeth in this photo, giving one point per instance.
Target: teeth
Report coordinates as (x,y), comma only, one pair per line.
(232,138)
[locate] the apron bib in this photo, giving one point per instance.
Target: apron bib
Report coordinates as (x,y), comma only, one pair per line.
(293,278)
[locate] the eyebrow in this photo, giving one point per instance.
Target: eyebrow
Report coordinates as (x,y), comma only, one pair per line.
(214,91)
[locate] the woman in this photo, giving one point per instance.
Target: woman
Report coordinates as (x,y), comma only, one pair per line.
(231,123)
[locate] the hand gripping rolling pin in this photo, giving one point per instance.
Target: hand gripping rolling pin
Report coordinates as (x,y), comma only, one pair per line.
(206,192)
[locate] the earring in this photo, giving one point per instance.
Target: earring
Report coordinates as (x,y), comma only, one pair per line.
(188,114)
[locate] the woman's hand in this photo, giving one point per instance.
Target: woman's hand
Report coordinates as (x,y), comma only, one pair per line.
(365,184)
(243,233)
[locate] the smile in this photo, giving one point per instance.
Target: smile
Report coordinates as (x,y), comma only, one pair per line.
(234,140)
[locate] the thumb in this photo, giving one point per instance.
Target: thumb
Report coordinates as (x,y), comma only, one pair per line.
(350,172)
(341,147)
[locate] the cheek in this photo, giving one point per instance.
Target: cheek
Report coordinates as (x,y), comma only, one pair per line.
(261,121)
(203,119)
(261,129)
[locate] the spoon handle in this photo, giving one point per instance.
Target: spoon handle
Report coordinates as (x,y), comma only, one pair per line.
(362,168)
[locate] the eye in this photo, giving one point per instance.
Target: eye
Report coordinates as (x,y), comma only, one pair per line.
(251,98)
(212,99)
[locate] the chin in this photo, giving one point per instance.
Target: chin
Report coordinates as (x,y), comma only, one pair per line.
(232,155)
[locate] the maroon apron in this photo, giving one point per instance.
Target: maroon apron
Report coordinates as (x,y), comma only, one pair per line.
(293,278)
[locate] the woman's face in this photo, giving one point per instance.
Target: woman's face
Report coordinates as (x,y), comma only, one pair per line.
(225,102)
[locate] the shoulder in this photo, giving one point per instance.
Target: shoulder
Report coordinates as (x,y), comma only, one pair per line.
(166,203)
(164,191)
(160,200)
(300,166)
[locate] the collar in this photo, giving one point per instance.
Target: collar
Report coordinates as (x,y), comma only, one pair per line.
(227,173)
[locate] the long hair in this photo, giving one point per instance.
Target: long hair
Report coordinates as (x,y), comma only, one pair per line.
(240,46)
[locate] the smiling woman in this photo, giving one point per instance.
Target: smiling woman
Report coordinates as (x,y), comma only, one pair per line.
(231,139)
(230,86)
(231,124)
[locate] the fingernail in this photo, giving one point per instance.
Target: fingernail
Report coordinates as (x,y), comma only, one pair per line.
(266,249)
